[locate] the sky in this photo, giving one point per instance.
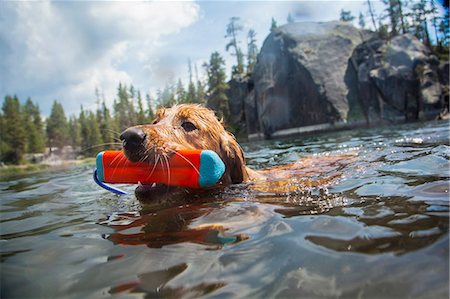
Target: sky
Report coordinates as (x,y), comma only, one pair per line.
(65,50)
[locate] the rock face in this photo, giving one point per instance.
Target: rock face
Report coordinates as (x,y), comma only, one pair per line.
(396,80)
(312,74)
(299,76)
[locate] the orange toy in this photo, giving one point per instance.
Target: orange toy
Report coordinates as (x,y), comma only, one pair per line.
(187,168)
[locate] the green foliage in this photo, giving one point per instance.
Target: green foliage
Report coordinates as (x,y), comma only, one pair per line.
(150,114)
(12,131)
(252,51)
(74,132)
(362,21)
(217,86)
(57,127)
(346,16)
(140,117)
(232,30)
(34,128)
(273,25)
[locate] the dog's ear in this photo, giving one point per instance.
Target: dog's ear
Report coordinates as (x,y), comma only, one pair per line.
(233,158)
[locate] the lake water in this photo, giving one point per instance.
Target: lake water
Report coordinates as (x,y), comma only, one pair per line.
(375,226)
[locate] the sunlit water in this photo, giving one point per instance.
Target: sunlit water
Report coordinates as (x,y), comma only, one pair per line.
(378,229)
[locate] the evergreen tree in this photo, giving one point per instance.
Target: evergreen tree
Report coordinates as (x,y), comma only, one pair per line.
(74,132)
(200,90)
(273,25)
(166,97)
(34,128)
(13,133)
(217,86)
(362,22)
(252,50)
(372,15)
(346,16)
(124,111)
(140,118)
(232,30)
(420,14)
(395,14)
(90,133)
(290,19)
(57,128)
(150,113)
(108,129)
(181,95)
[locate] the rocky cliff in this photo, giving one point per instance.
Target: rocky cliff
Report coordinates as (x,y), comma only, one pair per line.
(312,74)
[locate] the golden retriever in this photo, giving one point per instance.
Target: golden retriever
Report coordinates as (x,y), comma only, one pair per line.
(191,126)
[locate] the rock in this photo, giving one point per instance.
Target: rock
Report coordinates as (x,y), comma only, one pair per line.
(328,76)
(396,80)
(299,76)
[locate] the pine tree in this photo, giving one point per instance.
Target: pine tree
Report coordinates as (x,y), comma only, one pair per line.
(108,129)
(74,132)
(372,15)
(232,30)
(200,94)
(273,25)
(190,95)
(34,128)
(140,117)
(150,113)
(13,132)
(252,51)
(361,22)
(290,19)
(217,86)
(57,128)
(180,93)
(346,16)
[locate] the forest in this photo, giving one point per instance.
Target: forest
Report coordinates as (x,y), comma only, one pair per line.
(23,130)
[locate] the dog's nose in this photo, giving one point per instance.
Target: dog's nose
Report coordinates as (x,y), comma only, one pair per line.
(133,137)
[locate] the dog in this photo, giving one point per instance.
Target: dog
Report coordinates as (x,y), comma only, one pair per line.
(192,126)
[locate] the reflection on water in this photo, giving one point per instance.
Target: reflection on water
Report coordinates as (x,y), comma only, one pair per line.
(361,214)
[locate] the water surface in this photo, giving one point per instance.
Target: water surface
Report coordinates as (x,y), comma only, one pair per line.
(375,226)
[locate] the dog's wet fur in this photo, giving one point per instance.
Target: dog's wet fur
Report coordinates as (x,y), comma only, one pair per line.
(192,126)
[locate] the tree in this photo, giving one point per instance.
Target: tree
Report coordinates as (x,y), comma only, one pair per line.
(140,117)
(395,14)
(57,128)
(217,86)
(74,132)
(150,113)
(124,112)
(346,16)
(90,133)
(108,128)
(13,134)
(420,14)
(252,50)
(372,15)
(200,90)
(34,128)
(273,25)
(361,22)
(232,30)
(290,19)
(180,93)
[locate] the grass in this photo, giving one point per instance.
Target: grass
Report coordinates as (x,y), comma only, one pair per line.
(12,170)
(21,169)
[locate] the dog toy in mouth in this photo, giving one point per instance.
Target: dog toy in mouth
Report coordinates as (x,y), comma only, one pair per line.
(187,168)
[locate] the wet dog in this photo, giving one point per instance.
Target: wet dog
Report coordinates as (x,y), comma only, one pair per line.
(191,126)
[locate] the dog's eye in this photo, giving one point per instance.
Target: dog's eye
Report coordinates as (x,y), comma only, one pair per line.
(155,122)
(188,126)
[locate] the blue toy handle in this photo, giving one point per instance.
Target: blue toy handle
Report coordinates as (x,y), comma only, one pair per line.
(108,187)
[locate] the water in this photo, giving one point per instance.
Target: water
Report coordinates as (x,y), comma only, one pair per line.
(374,225)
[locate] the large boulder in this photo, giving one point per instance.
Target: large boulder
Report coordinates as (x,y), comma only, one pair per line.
(299,79)
(396,80)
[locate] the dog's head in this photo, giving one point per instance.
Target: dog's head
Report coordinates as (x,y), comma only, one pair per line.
(186,126)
